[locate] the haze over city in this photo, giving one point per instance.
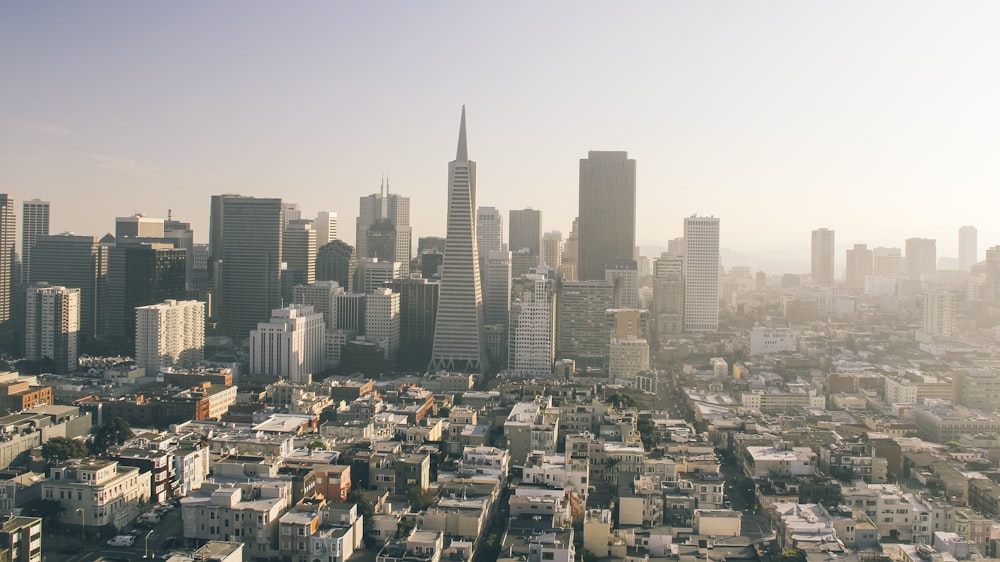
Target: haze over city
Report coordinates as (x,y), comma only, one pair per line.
(875,120)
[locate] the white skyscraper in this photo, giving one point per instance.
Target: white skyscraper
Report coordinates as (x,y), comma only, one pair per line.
(322,296)
(533,326)
(458,332)
(52,327)
(325,226)
(939,313)
(382,320)
(383,228)
(823,250)
(489,230)
(34,223)
(968,247)
(374,273)
(8,231)
(701,274)
(624,277)
(290,345)
(169,334)
(496,272)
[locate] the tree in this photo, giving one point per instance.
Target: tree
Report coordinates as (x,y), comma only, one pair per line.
(419,499)
(619,400)
(315,444)
(115,432)
(648,432)
(61,448)
(791,555)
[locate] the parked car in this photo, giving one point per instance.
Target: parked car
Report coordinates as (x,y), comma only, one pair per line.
(121,541)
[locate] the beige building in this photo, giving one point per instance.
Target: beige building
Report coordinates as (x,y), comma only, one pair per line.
(97,493)
(249,513)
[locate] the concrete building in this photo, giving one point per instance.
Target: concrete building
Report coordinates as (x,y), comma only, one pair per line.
(383,228)
(498,275)
(138,226)
(528,428)
(337,261)
(921,257)
(325,226)
(52,325)
(298,253)
(978,389)
(34,223)
(888,263)
(627,358)
(607,212)
(822,256)
(669,293)
(552,249)
(765,340)
(322,296)
(290,346)
(624,279)
(859,264)
(21,539)
(533,326)
(170,335)
(79,262)
(525,231)
(97,493)
(374,274)
(140,273)
(701,274)
(382,322)
(968,247)
(458,333)
(939,313)
(580,322)
(252,510)
(418,303)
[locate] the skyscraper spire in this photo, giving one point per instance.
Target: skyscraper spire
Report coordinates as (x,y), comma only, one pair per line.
(463,142)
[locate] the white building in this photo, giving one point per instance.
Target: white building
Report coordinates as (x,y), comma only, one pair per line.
(382,320)
(558,471)
(496,290)
(290,346)
(97,493)
(53,325)
(169,334)
(627,358)
(764,340)
(533,326)
(879,286)
(374,273)
(325,226)
(939,313)
(701,274)
(322,296)
(386,207)
(249,513)
(822,254)
(624,279)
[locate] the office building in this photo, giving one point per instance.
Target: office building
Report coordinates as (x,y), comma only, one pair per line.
(497,273)
(298,251)
(322,296)
(669,293)
(552,249)
(382,320)
(607,212)
(246,249)
(887,263)
(823,251)
(418,304)
(34,223)
(140,274)
(325,226)
(860,262)
(532,341)
(458,334)
(290,346)
(525,231)
(79,262)
(489,230)
(182,236)
(571,253)
(8,231)
(921,257)
(290,212)
(939,313)
(374,273)
(430,244)
(701,274)
(337,261)
(21,539)
(522,262)
(580,331)
(170,334)
(52,326)
(968,247)
(383,225)
(138,226)
(624,277)
(351,312)
(626,359)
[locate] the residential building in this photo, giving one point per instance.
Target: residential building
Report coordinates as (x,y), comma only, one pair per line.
(921,257)
(860,263)
(34,223)
(533,326)
(21,539)
(701,274)
(382,322)
(822,256)
(79,262)
(606,231)
(97,493)
(580,322)
(52,326)
(939,313)
(170,334)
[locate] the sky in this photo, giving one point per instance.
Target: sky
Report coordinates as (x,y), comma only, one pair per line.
(879,120)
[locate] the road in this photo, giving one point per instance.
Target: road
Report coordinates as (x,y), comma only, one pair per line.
(65,547)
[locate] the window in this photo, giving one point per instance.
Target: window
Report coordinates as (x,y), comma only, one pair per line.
(548,556)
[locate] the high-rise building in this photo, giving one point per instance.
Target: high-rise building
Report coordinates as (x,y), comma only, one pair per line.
(552,249)
(669,293)
(497,273)
(823,250)
(8,232)
(624,277)
(532,326)
(322,296)
(701,274)
(580,332)
(525,231)
(607,212)
(298,251)
(169,334)
(34,223)
(458,334)
(182,236)
(351,312)
(140,274)
(887,263)
(138,226)
(382,320)
(374,273)
(939,313)
(418,303)
(52,327)
(489,230)
(325,226)
(921,257)
(968,247)
(522,261)
(291,212)
(385,217)
(290,346)
(246,249)
(337,261)
(571,252)
(627,358)
(860,262)
(79,262)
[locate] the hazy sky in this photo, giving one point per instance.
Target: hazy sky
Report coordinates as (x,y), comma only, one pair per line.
(877,119)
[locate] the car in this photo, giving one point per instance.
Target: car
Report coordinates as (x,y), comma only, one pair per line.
(729,504)
(167,506)
(121,541)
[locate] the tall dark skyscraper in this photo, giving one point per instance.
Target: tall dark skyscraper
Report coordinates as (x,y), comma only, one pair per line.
(607,212)
(418,303)
(458,334)
(183,237)
(8,230)
(338,262)
(79,262)
(245,247)
(140,274)
(383,228)
(34,223)
(525,231)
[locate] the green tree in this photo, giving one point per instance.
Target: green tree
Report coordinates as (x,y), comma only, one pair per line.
(315,444)
(61,448)
(115,432)
(404,527)
(791,555)
(648,432)
(619,400)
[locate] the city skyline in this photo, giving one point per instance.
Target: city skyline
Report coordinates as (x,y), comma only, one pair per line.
(833,127)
